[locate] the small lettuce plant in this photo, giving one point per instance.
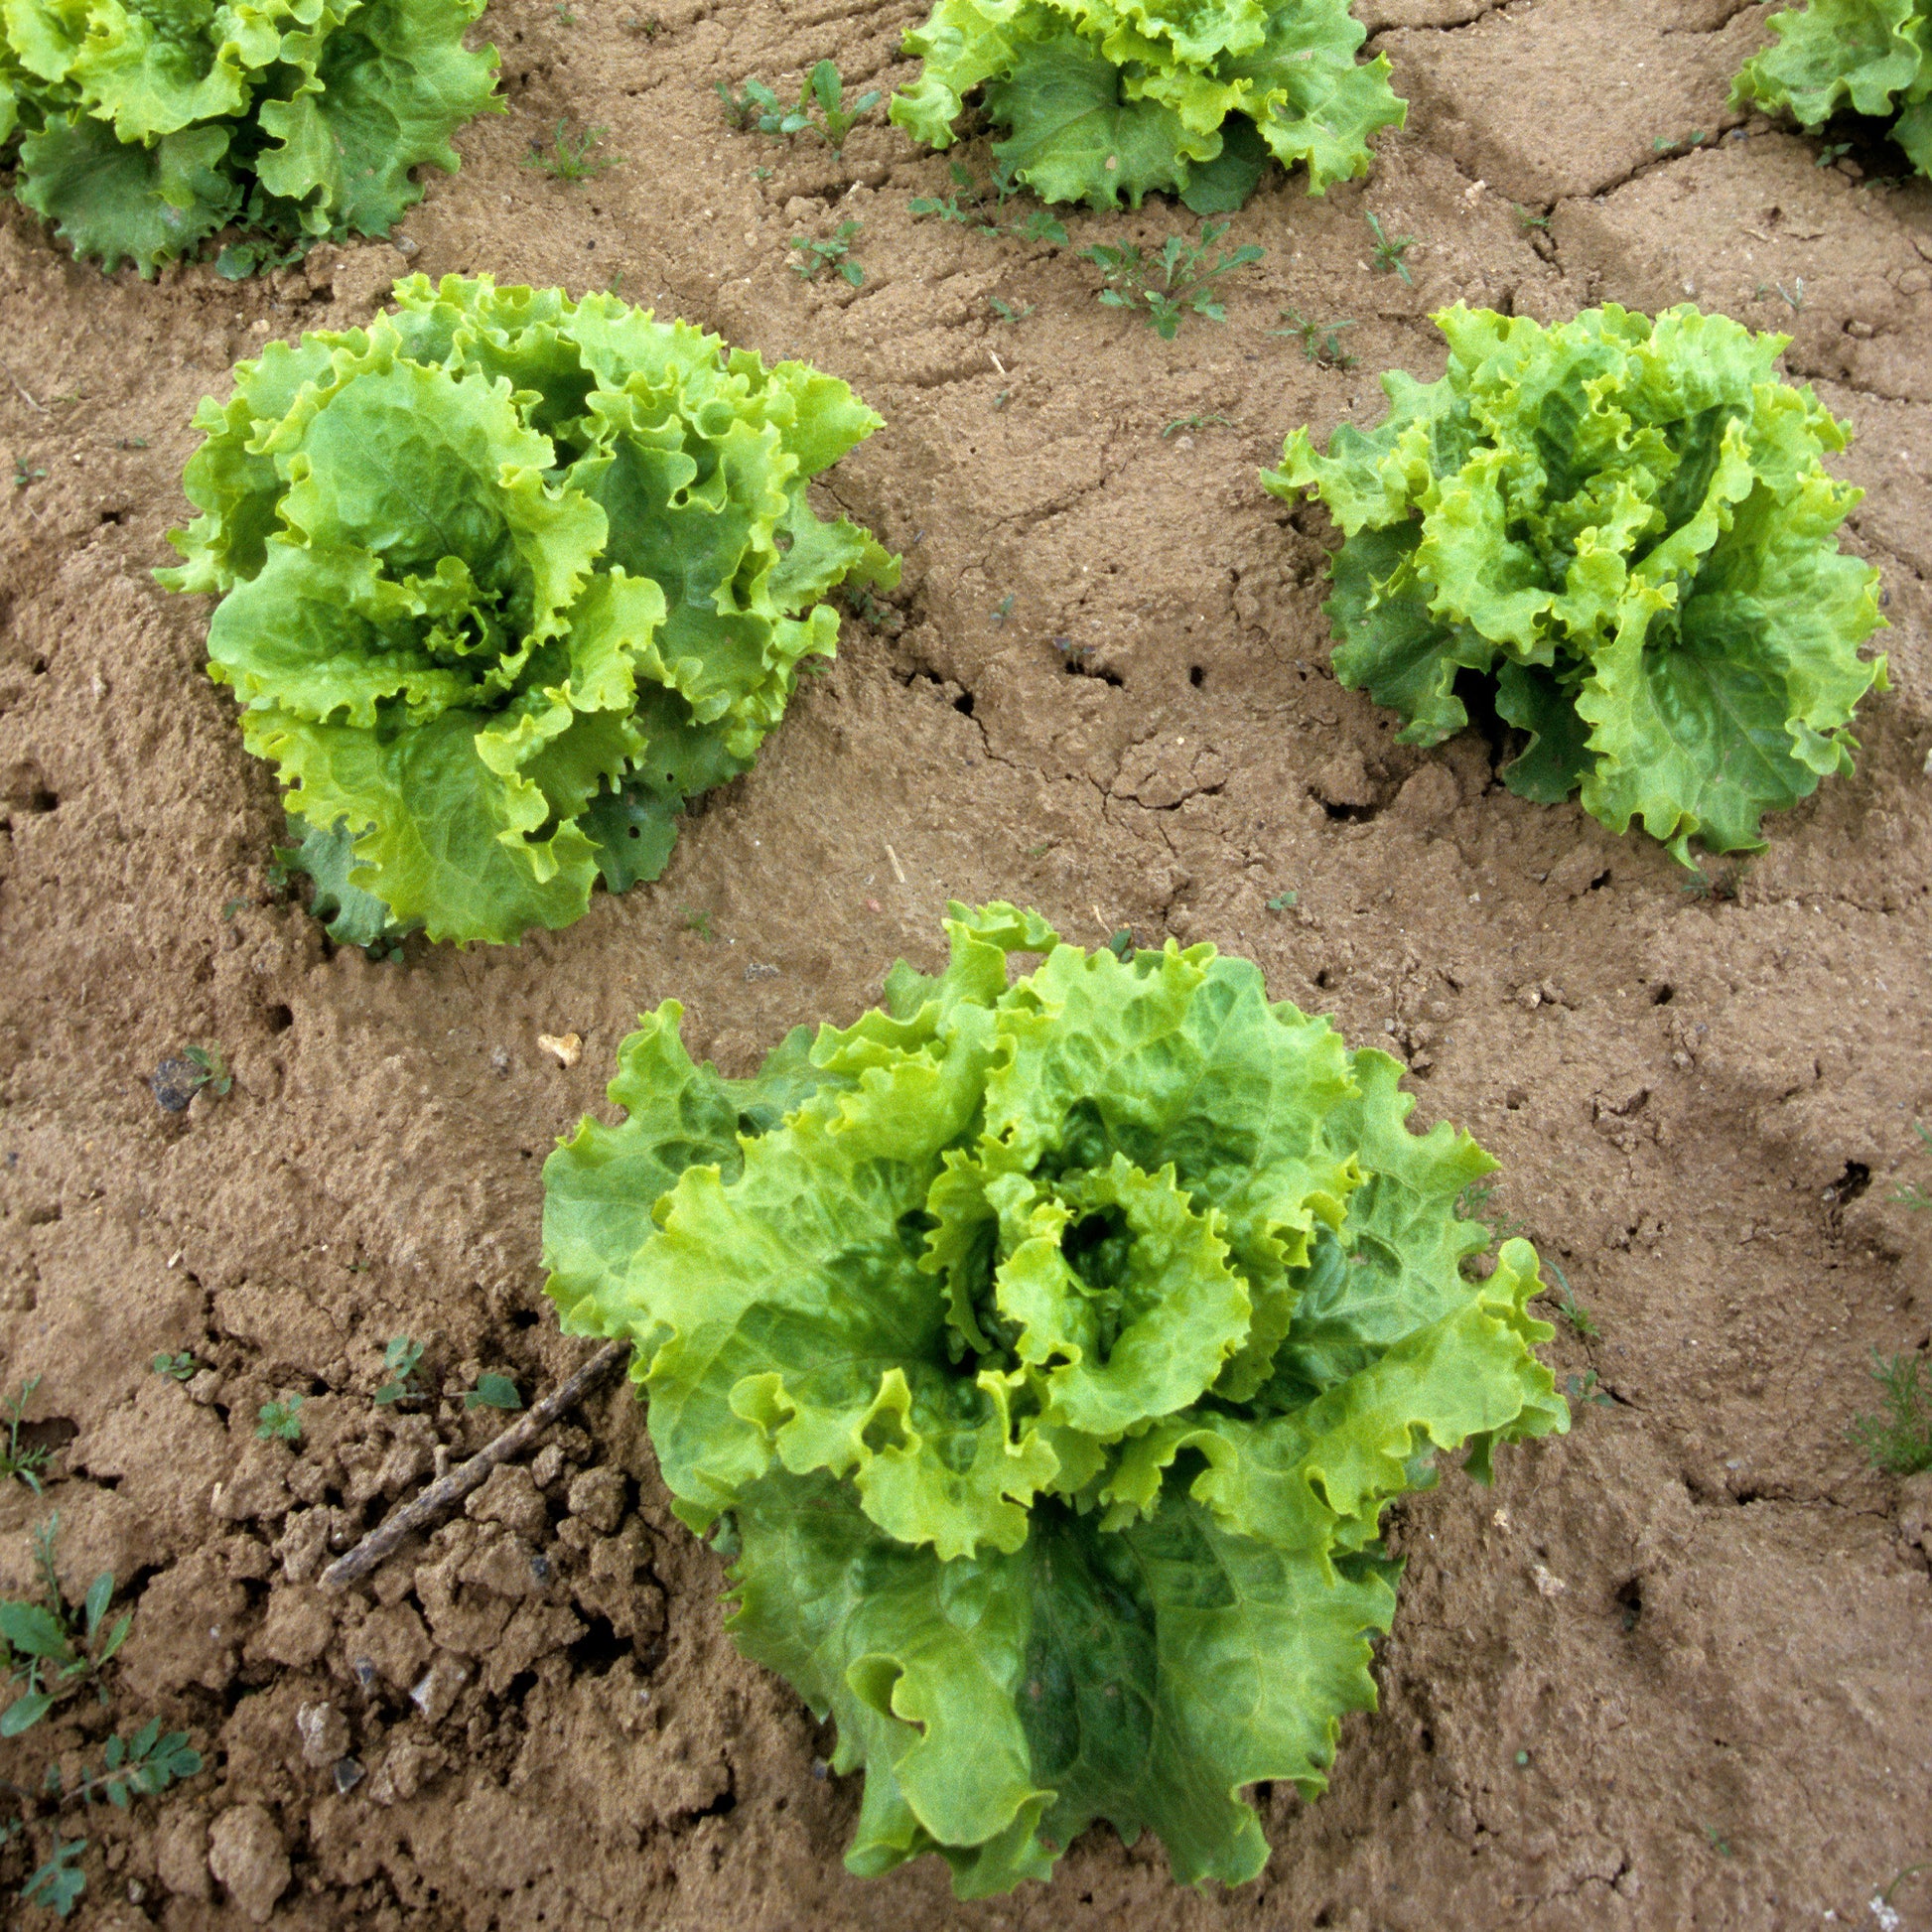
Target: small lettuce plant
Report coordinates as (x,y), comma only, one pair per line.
(143,129)
(1109,99)
(1044,1353)
(505,579)
(1864,56)
(1627,524)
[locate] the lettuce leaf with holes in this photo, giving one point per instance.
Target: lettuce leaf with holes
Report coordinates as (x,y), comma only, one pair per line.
(1864,56)
(1628,525)
(504,580)
(1045,1353)
(143,128)
(1108,99)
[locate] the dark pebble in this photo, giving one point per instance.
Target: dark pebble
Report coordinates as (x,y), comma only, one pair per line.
(175,1085)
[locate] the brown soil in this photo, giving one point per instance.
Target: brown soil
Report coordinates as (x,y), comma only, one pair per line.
(1670,1672)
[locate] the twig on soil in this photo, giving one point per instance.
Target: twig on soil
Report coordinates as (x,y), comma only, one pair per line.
(451,1489)
(26,398)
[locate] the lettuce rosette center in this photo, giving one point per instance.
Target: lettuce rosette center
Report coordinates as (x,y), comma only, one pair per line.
(1046,1350)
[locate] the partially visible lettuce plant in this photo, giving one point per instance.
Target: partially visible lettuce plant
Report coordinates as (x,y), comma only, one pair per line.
(1045,1355)
(505,579)
(1109,98)
(1627,524)
(1871,56)
(143,128)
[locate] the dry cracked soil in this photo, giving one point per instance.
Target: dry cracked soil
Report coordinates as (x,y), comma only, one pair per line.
(1670,1671)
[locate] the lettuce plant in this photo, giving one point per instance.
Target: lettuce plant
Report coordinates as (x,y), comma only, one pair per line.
(1045,1355)
(1105,99)
(1871,56)
(144,127)
(505,579)
(1625,523)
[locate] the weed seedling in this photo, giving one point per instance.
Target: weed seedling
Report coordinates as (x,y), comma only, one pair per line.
(1715,1843)
(565,18)
(1529,221)
(968,205)
(211,1071)
(178,1368)
(1794,296)
(1389,251)
(23,476)
(570,160)
(1473,1205)
(1002,610)
(26,1463)
(698,922)
(1282,902)
(1664,143)
(1121,944)
(401,1358)
(57,1884)
(280,1421)
(1911,1194)
(1321,340)
(648,25)
(1005,312)
(1194,422)
(1899,1440)
(1163,288)
(833,253)
(757,106)
(50,1650)
(493,1392)
(1573,1311)
(1584,1388)
(820,109)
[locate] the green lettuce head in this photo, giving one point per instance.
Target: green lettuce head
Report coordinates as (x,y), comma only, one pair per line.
(1864,56)
(505,579)
(1627,524)
(1045,1355)
(143,128)
(1109,98)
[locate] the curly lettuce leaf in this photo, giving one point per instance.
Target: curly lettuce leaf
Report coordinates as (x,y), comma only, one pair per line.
(1630,525)
(1872,56)
(1115,100)
(498,596)
(1045,1353)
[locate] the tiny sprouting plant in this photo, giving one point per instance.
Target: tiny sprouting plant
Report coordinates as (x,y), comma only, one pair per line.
(493,1392)
(1581,1321)
(1174,281)
(646,25)
(57,1885)
(1898,1440)
(1864,56)
(1911,1194)
(401,1357)
(970,202)
(1284,901)
(1579,1389)
(1181,423)
(1390,249)
(1477,1203)
(1665,143)
(24,1463)
(834,252)
(1321,340)
(1003,609)
(1103,102)
(1005,312)
(180,1367)
(694,921)
(50,1650)
(1043,1352)
(280,1421)
(211,1074)
(23,476)
(1628,525)
(1527,219)
(572,158)
(820,107)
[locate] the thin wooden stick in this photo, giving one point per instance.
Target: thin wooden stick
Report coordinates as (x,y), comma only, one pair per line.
(26,398)
(448,1490)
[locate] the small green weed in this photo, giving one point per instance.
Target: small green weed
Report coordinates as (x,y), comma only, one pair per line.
(820,109)
(211,1071)
(53,1651)
(1585,1388)
(1121,944)
(1473,1204)
(401,1358)
(1389,250)
(280,1421)
(1196,422)
(1573,1311)
(23,476)
(570,159)
(178,1367)
(970,200)
(26,1463)
(647,25)
(1714,1841)
(1665,143)
(1321,340)
(1163,287)
(1005,312)
(1899,1440)
(1002,610)
(698,922)
(57,1884)
(1284,901)
(1528,221)
(493,1392)
(833,253)
(565,18)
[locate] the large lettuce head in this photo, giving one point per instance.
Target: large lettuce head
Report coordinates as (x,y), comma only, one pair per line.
(1866,57)
(1626,523)
(144,125)
(504,580)
(1045,1353)
(1109,98)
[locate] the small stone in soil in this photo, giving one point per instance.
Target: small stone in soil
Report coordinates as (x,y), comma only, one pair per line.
(175,1082)
(347,1775)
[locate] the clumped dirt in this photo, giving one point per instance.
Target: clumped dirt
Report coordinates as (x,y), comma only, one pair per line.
(1669,1671)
